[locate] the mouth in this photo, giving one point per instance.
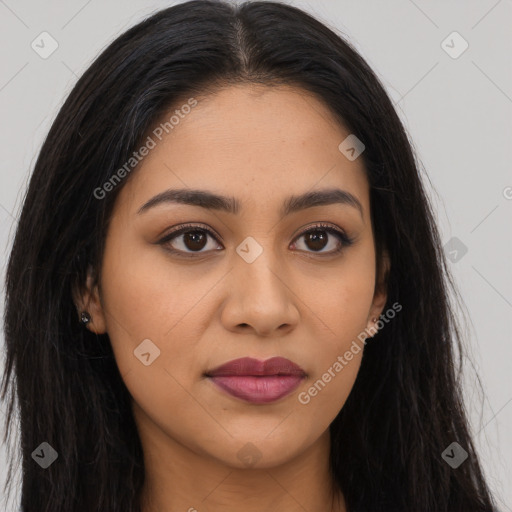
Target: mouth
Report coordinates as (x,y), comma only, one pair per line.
(255,381)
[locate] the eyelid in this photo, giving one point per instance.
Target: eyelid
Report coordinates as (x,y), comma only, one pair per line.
(185,228)
(190,227)
(346,240)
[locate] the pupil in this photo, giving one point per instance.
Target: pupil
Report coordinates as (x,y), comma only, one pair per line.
(319,241)
(195,238)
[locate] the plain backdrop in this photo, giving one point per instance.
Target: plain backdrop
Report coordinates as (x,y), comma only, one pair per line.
(455,102)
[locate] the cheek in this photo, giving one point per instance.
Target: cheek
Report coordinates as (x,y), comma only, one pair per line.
(132,302)
(154,335)
(338,351)
(337,356)
(153,326)
(341,301)
(341,307)
(327,390)
(164,402)
(142,298)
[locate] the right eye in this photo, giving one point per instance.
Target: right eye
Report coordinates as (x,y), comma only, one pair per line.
(194,239)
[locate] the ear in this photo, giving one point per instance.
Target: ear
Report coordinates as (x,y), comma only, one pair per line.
(380,295)
(88,299)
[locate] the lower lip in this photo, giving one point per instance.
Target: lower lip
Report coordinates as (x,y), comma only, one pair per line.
(258,390)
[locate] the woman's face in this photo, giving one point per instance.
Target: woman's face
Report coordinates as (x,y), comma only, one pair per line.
(255,287)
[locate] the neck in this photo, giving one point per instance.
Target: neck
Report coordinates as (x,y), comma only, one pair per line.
(180,478)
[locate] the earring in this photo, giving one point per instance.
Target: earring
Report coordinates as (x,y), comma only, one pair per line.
(374,320)
(85,317)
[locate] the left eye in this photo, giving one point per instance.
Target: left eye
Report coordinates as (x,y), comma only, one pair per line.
(194,239)
(318,237)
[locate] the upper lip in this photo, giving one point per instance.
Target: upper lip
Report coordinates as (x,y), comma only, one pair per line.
(254,367)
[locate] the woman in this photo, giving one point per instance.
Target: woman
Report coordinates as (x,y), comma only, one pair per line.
(227,290)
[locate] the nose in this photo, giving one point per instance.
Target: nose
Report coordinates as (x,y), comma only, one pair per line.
(260,298)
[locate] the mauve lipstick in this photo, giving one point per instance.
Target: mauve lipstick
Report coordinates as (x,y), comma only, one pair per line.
(255,381)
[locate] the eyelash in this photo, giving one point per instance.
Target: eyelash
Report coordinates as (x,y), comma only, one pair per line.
(346,241)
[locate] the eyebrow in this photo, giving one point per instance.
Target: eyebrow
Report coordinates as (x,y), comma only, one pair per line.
(229,204)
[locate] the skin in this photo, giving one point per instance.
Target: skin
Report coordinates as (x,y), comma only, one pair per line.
(259,145)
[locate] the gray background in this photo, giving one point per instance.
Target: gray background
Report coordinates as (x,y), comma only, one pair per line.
(458,112)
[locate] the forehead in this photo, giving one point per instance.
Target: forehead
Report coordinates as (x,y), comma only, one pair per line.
(256,143)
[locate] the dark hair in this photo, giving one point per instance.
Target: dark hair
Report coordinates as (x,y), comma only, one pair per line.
(406,405)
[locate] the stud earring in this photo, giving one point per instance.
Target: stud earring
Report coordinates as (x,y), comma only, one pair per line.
(85,317)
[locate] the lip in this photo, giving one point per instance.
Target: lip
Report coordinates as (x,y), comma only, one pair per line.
(255,381)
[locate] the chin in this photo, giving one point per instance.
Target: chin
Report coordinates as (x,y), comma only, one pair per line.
(259,452)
